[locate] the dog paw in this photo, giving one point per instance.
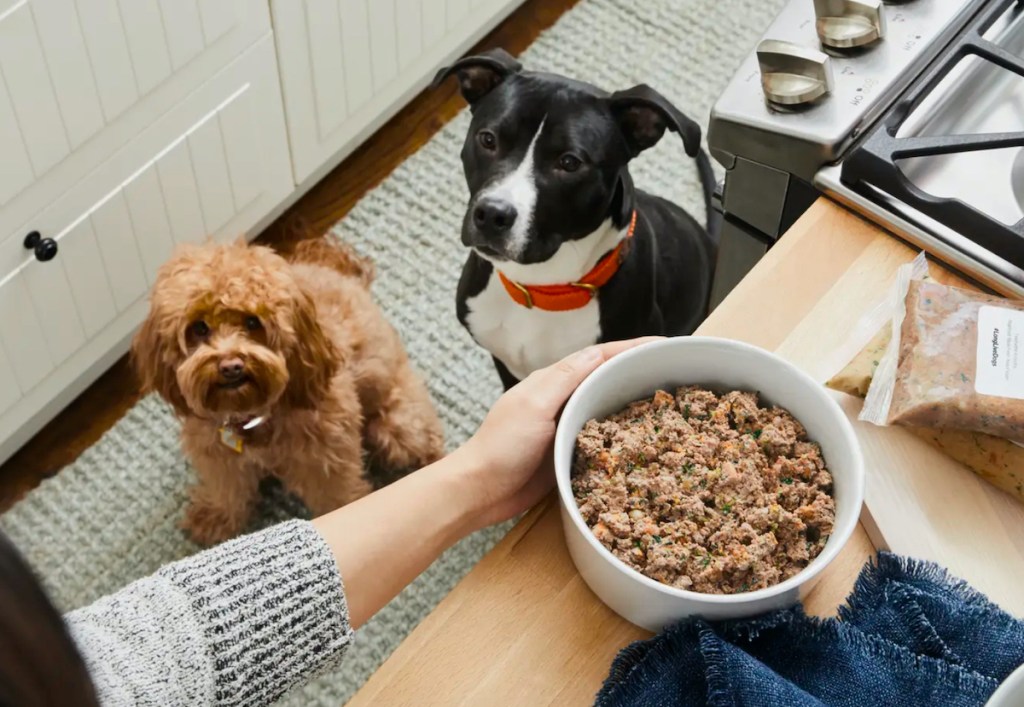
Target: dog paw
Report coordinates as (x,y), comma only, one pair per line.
(402,448)
(209,526)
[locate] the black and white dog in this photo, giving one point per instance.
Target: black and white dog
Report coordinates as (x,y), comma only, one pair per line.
(564,251)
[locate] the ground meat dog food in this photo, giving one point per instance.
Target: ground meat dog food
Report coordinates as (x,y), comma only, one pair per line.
(705,492)
(940,381)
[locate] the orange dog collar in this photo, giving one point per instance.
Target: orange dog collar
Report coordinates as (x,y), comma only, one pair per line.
(564,298)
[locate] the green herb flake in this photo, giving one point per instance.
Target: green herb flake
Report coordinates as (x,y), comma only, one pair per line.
(745,587)
(964,379)
(686,412)
(786,479)
(657,429)
(756,434)
(727,508)
(706,561)
(656,538)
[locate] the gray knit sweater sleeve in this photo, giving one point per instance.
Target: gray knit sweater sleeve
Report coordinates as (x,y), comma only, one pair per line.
(238,624)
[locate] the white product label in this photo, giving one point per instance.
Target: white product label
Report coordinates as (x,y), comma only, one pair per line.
(1000,352)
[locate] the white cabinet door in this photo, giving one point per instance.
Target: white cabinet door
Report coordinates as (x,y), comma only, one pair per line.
(348,65)
(9,390)
(214,166)
(79,79)
(22,336)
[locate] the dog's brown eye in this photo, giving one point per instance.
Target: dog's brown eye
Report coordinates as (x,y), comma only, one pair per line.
(200,329)
(487,139)
(253,323)
(569,162)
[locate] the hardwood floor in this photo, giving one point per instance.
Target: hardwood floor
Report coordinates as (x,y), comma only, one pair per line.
(83,422)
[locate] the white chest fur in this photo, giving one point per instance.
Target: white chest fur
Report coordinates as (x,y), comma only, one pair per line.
(528,339)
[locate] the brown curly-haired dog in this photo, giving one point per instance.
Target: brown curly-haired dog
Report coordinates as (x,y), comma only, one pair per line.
(283,368)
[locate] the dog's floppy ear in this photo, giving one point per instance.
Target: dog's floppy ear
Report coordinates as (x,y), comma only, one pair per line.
(479,75)
(313,361)
(154,364)
(643,114)
(623,198)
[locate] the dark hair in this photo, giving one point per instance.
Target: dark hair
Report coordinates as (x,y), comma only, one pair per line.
(39,664)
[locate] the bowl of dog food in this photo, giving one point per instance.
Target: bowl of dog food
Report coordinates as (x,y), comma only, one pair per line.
(704,477)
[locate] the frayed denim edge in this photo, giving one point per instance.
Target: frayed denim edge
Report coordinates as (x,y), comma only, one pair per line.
(886,567)
(826,631)
(720,693)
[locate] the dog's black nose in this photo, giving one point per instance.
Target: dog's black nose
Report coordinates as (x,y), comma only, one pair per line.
(231,369)
(494,217)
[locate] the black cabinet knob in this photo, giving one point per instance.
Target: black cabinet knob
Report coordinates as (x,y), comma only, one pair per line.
(45,248)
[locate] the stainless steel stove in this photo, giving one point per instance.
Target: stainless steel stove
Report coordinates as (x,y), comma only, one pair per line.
(910,113)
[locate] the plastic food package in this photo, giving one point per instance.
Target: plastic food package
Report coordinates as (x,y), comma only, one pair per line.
(997,460)
(856,378)
(955,362)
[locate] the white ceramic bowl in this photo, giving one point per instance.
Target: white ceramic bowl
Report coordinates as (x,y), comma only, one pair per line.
(720,364)
(1011,692)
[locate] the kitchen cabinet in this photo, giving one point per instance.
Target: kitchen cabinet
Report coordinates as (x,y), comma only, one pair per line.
(348,65)
(83,78)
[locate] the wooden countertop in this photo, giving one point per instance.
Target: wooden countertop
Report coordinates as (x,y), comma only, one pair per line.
(523,628)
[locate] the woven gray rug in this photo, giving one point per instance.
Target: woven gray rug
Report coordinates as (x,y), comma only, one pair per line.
(112,516)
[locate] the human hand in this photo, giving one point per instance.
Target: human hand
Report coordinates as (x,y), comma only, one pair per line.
(509,460)
(504,469)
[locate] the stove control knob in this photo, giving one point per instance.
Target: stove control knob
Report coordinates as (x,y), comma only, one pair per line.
(847,24)
(792,74)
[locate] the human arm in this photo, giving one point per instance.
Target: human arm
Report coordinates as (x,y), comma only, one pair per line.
(238,624)
(243,622)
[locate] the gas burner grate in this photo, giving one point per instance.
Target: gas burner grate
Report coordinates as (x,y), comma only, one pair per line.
(873,163)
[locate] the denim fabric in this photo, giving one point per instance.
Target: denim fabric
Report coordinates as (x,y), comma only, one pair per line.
(909,636)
